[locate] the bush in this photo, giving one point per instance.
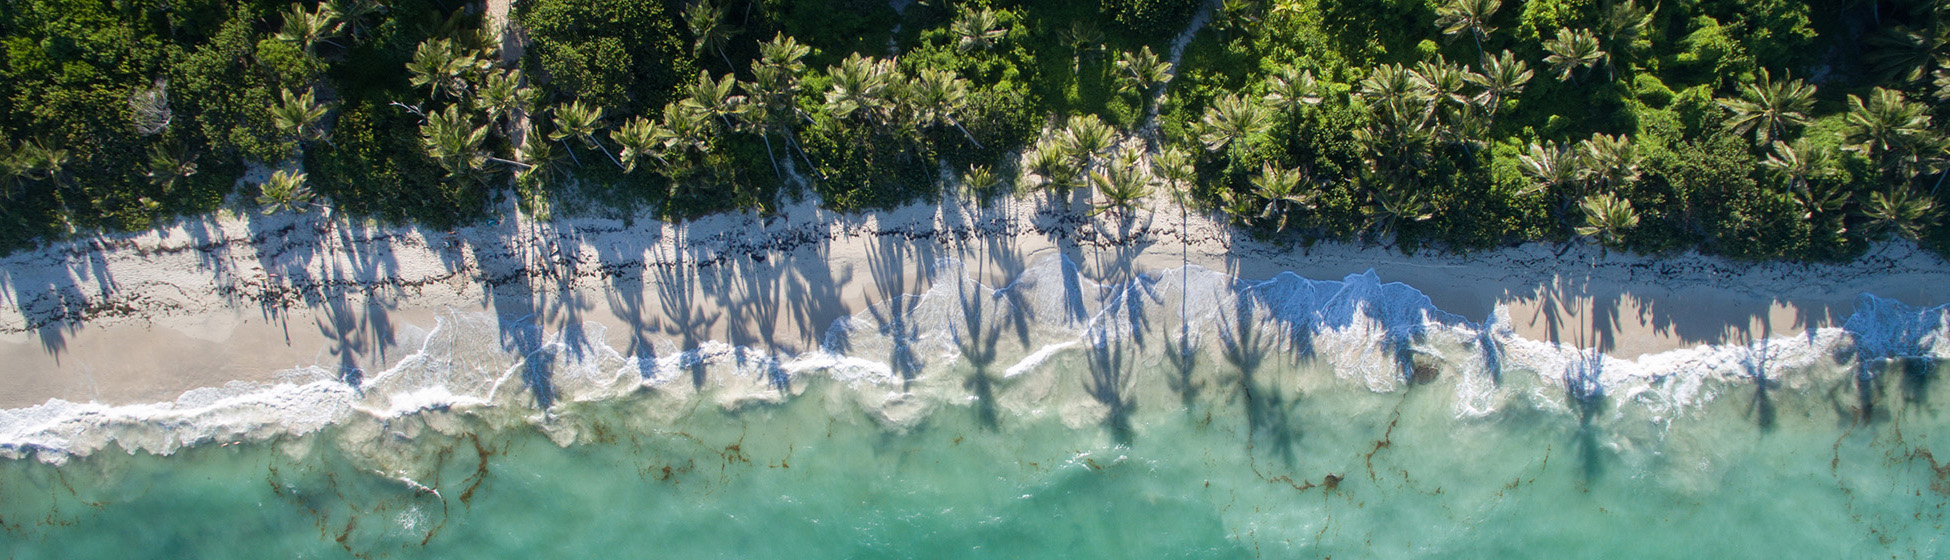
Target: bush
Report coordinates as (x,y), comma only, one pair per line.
(627,55)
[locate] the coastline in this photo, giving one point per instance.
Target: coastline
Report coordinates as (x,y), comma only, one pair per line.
(144,318)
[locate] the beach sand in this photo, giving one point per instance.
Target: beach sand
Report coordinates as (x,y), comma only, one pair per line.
(144,318)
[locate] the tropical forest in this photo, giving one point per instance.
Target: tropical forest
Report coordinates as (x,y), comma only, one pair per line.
(1806,130)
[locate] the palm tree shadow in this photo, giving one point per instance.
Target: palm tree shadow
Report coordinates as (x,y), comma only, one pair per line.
(626,295)
(1756,363)
(354,336)
(975,336)
(1110,384)
(1118,263)
(1918,374)
(1492,351)
(894,314)
(1182,351)
(1586,395)
(676,295)
(1268,417)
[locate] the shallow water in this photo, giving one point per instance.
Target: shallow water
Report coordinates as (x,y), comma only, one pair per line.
(1186,414)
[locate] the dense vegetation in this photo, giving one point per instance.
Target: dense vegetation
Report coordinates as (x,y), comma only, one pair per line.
(1758,129)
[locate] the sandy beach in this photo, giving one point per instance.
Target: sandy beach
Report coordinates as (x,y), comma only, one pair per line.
(144,318)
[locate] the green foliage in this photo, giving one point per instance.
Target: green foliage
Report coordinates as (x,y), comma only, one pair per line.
(835,28)
(623,54)
(374,167)
(1150,20)
(1448,124)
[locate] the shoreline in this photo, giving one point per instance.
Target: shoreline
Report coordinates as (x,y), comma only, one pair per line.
(144,318)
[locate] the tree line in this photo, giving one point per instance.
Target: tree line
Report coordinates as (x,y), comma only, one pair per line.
(1758,129)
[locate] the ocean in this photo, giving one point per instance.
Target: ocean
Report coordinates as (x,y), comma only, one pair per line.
(1182,413)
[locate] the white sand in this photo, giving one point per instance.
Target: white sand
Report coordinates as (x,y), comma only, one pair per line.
(146,317)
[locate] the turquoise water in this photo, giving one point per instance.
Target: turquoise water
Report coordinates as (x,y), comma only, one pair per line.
(1252,444)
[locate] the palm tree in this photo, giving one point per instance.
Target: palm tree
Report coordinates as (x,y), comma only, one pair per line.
(637,138)
(1943,85)
(1549,165)
(1174,165)
(1821,205)
(285,191)
(166,166)
(976,29)
(937,96)
(1398,97)
(1083,38)
(979,181)
(1902,54)
(307,29)
(1393,204)
(1606,218)
(1798,167)
(1086,137)
(772,97)
(708,25)
(1799,164)
(1884,125)
(1502,77)
(715,98)
(1768,108)
(1281,188)
(1402,109)
(1572,51)
(1235,15)
(1900,211)
(1231,118)
(352,14)
(502,95)
(859,86)
(539,166)
(1457,17)
(582,122)
(1620,28)
(1611,161)
(442,66)
(1443,82)
(33,160)
(299,116)
(685,131)
(1120,185)
(452,139)
(1289,89)
(1051,162)
(1141,71)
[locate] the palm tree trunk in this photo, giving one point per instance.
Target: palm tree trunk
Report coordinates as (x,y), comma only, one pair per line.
(964,132)
(769,155)
(728,66)
(605,150)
